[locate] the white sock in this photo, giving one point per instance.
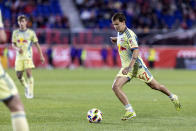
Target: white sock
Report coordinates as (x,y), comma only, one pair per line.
(19,121)
(31,84)
(128,107)
(171,96)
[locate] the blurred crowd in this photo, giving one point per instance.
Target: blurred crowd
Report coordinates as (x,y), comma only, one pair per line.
(146,17)
(41,13)
(141,14)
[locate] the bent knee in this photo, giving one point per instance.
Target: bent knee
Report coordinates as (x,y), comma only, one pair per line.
(115,87)
(19,75)
(17,108)
(14,104)
(28,74)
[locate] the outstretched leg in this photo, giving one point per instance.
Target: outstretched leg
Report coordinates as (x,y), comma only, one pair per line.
(174,98)
(156,86)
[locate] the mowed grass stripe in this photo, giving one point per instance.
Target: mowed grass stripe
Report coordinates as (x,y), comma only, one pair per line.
(63,97)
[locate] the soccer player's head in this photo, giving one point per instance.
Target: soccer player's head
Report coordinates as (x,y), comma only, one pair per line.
(119,20)
(22,21)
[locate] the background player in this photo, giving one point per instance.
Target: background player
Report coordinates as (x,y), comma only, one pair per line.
(132,66)
(22,40)
(9,94)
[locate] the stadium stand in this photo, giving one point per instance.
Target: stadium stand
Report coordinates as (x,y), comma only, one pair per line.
(155,22)
(42,13)
(141,14)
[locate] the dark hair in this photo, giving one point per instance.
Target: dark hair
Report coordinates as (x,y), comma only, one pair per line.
(20,17)
(119,16)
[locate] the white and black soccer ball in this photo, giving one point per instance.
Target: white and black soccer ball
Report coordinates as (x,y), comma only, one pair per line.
(94,115)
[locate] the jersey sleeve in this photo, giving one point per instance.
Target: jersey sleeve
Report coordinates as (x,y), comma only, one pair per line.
(132,41)
(34,37)
(14,37)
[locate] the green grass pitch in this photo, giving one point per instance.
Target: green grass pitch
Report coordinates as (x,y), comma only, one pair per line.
(63,97)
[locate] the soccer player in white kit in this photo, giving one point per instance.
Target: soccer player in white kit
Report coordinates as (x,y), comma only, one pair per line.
(132,66)
(9,94)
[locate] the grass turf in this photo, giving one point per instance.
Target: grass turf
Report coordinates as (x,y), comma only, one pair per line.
(63,97)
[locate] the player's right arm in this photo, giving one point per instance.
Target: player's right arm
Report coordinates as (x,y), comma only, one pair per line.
(113,40)
(14,44)
(3,37)
(16,48)
(35,41)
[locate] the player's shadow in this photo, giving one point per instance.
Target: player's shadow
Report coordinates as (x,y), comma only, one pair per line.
(107,123)
(120,123)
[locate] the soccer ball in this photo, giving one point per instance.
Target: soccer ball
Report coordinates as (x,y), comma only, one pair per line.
(94,115)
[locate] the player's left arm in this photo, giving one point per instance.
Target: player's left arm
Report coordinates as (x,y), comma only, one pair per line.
(36,43)
(40,52)
(134,57)
(134,47)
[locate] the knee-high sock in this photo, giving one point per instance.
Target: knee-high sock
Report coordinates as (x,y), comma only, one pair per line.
(19,121)
(31,84)
(24,83)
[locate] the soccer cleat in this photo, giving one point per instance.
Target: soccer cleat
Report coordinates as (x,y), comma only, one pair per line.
(28,95)
(26,91)
(128,115)
(176,102)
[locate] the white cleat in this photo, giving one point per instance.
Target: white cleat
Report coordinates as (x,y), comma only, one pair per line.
(28,95)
